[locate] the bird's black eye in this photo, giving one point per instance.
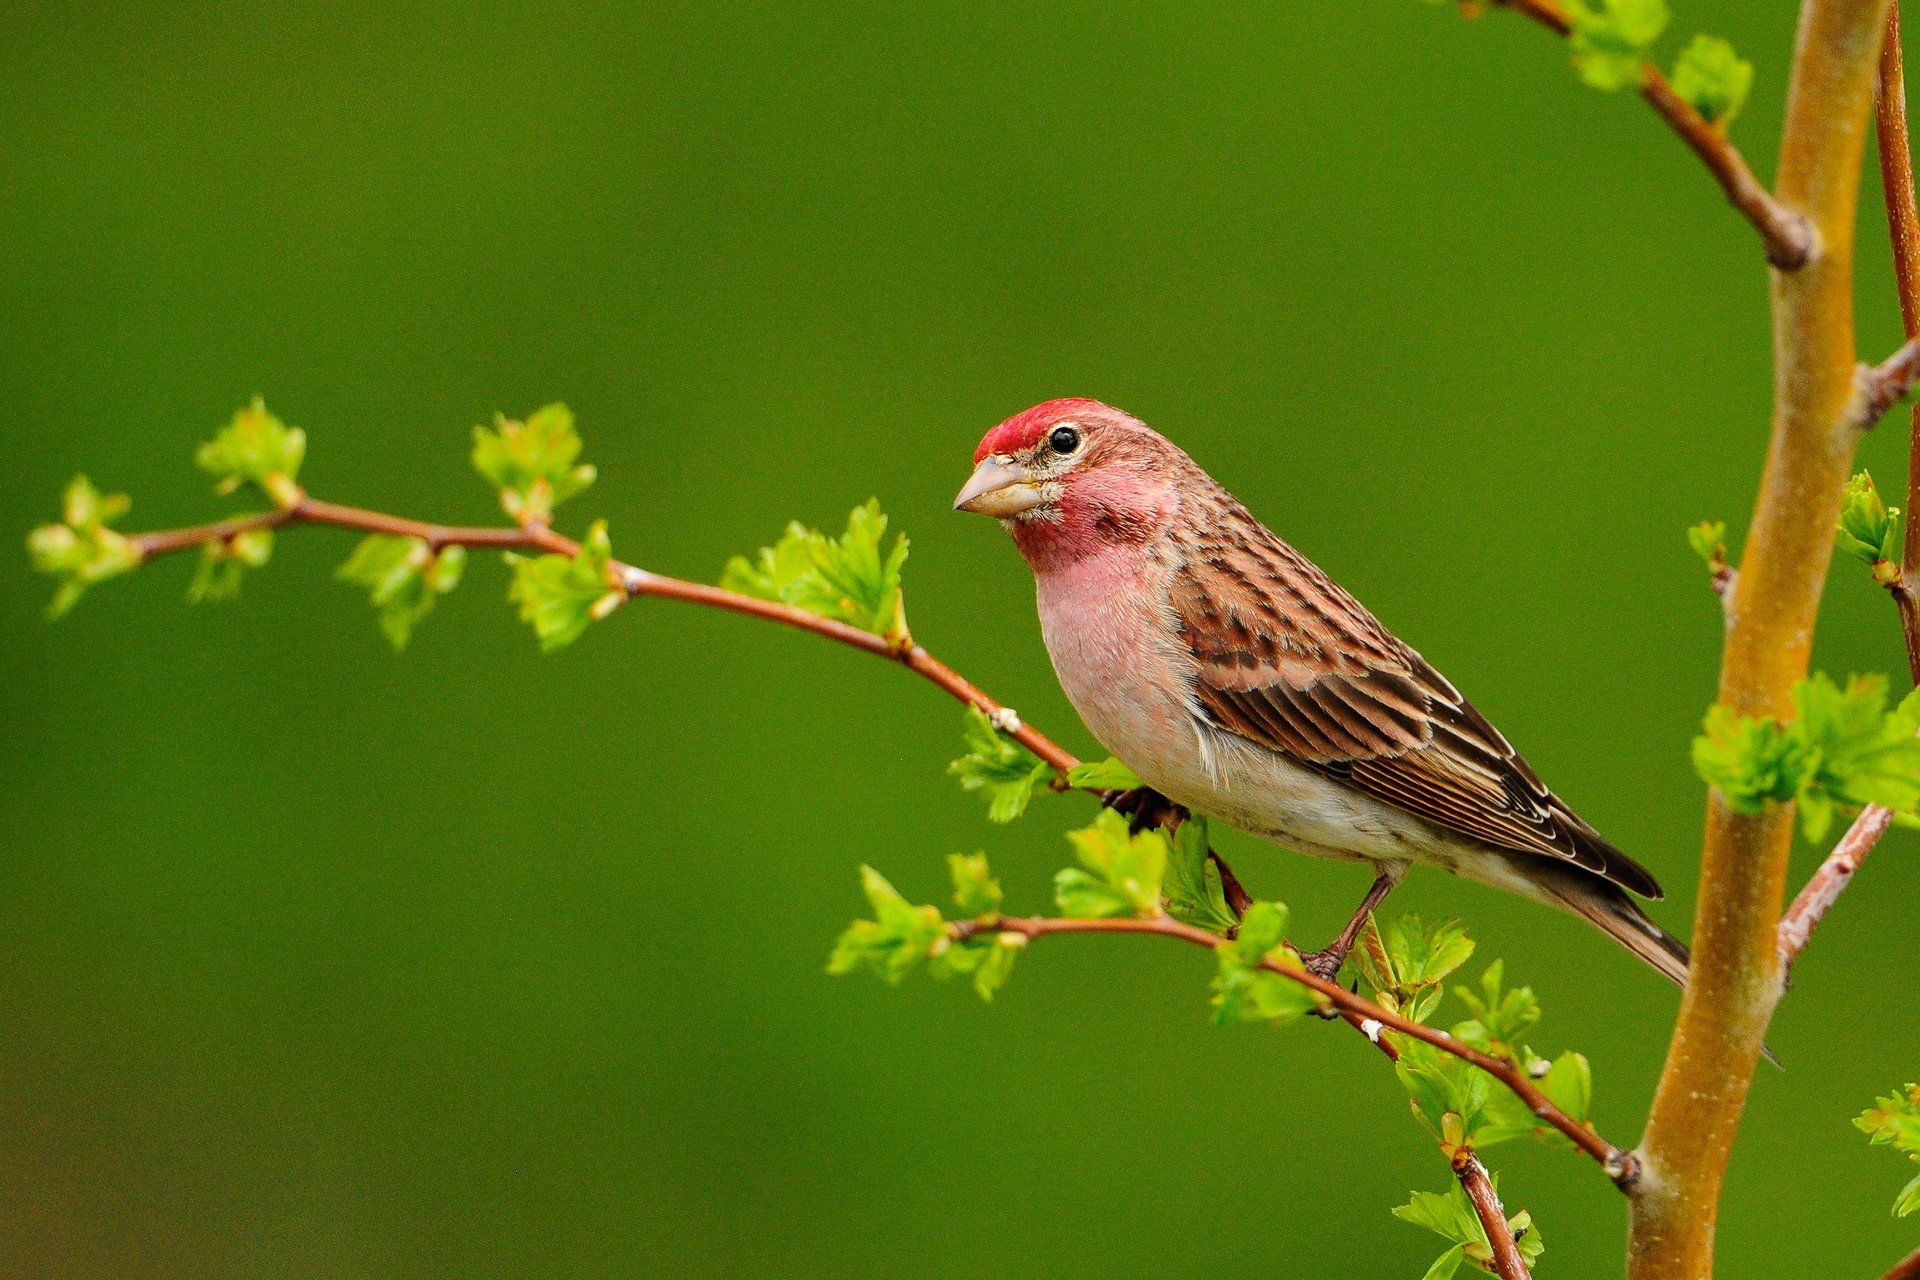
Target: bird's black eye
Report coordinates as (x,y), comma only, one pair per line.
(1064,440)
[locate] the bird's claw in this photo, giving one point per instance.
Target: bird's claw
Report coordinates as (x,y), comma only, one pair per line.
(1143,807)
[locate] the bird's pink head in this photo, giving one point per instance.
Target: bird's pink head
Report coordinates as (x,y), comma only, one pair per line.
(1073,477)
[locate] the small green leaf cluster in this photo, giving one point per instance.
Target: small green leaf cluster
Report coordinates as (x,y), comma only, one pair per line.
(1119,872)
(1709,541)
(1451,1217)
(851,579)
(1895,1121)
(1870,530)
(1611,39)
(1003,772)
(403,577)
(1845,747)
(1406,964)
(560,595)
(224,562)
(256,448)
(82,550)
(902,936)
(1246,989)
(1712,79)
(1192,888)
(534,464)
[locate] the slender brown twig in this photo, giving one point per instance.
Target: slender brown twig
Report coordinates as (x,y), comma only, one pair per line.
(1787,236)
(1884,385)
(1823,889)
(1903,227)
(1363,1013)
(1475,1181)
(621,576)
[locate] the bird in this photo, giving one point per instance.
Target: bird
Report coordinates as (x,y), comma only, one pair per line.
(1237,679)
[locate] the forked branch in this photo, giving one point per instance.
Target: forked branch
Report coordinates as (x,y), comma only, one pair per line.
(632,580)
(1788,236)
(1356,1009)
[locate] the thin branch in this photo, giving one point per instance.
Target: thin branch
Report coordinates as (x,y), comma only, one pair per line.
(1787,235)
(1903,227)
(1474,1180)
(1884,385)
(624,577)
(1356,1009)
(1826,884)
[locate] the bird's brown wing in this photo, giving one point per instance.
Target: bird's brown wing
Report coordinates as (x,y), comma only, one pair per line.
(1289,660)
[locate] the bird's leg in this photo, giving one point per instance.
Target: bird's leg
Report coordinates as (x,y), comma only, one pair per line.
(1238,899)
(1326,963)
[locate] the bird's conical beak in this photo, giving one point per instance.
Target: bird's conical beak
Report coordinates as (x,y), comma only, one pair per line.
(999,488)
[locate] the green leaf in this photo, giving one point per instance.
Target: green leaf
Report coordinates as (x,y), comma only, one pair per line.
(1845,747)
(256,448)
(1712,79)
(899,937)
(1244,990)
(534,464)
(1104,775)
(1610,39)
(403,578)
(1406,961)
(1442,1086)
(1895,1122)
(1119,872)
(1005,773)
(975,891)
(852,579)
(1709,541)
(1500,1015)
(1869,530)
(1451,1217)
(82,550)
(559,595)
(1193,888)
(1446,1264)
(986,958)
(217,579)
(1569,1084)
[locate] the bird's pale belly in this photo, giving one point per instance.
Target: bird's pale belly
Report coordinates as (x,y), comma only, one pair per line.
(1130,689)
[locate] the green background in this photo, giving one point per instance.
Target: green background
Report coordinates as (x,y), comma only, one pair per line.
(315,961)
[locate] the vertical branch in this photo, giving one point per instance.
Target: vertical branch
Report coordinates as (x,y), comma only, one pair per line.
(1475,1181)
(1903,225)
(1736,974)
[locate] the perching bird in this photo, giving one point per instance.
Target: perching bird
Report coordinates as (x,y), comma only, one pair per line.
(1239,680)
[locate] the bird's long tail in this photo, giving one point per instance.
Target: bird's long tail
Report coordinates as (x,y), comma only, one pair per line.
(1610,910)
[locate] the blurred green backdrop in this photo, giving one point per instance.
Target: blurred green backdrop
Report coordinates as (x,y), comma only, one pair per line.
(315,961)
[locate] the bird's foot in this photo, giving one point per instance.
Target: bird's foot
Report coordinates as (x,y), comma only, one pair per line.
(1324,965)
(1144,808)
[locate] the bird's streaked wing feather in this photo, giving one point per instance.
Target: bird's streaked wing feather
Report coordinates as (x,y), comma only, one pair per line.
(1287,659)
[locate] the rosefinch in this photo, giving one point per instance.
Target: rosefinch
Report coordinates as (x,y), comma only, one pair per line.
(1238,680)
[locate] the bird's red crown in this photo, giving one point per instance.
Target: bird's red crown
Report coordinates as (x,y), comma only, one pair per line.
(1023,430)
